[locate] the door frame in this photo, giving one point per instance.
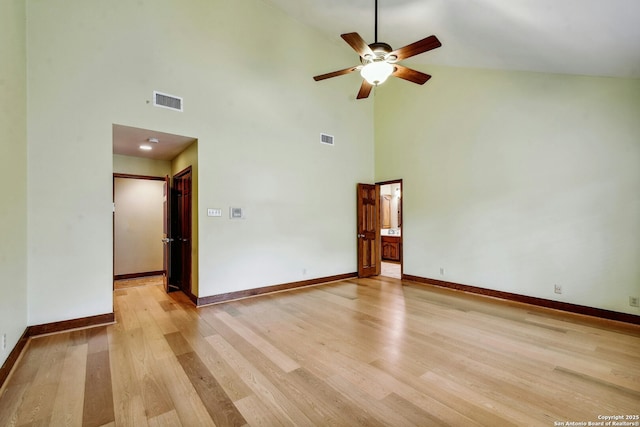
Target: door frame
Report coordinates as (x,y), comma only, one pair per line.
(400,220)
(113,221)
(166,233)
(184,259)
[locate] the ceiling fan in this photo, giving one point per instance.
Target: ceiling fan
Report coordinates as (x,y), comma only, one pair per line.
(379,60)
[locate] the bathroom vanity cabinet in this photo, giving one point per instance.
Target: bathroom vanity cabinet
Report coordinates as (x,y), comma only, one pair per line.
(390,248)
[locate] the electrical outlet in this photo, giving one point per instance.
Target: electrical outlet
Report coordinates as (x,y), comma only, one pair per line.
(557,289)
(4,341)
(442,271)
(634,301)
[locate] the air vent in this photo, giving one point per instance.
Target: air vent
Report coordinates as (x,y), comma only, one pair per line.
(167,101)
(326,139)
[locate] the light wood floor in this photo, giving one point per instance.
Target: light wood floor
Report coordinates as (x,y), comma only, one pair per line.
(139,281)
(365,352)
(390,269)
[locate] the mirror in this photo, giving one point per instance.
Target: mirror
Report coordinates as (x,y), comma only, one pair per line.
(390,206)
(386,211)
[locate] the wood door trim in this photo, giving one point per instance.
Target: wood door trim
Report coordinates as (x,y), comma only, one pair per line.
(183,172)
(393,181)
(131,176)
(49,328)
(113,215)
(166,231)
(65,325)
(214,299)
(540,302)
(186,289)
(400,219)
(13,358)
(136,275)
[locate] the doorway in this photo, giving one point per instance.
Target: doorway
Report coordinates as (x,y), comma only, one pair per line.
(146,208)
(379,229)
(157,155)
(391,230)
(137,222)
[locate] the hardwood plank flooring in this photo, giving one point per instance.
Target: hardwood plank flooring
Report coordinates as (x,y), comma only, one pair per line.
(390,269)
(138,281)
(369,352)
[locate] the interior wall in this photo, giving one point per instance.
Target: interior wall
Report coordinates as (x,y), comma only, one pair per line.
(13,175)
(245,72)
(140,166)
(518,181)
(138,226)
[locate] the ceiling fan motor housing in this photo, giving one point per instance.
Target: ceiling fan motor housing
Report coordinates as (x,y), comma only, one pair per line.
(380,52)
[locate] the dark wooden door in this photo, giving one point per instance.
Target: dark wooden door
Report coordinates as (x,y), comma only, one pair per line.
(180,270)
(166,231)
(368,229)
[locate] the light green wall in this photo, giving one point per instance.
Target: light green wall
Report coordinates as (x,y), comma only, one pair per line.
(244,71)
(518,181)
(13,166)
(140,166)
(513,181)
(189,157)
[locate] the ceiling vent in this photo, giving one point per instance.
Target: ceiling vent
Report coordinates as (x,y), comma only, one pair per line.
(326,139)
(167,101)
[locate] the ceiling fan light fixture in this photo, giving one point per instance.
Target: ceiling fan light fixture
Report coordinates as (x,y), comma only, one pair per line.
(379,60)
(376,72)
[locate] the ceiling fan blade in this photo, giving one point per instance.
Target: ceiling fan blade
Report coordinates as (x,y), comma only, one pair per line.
(365,90)
(357,43)
(416,48)
(410,75)
(335,74)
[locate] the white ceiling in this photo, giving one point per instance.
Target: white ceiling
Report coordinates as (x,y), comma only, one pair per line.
(588,37)
(584,37)
(127,141)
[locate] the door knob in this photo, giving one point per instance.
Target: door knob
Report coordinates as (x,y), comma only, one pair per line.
(166,240)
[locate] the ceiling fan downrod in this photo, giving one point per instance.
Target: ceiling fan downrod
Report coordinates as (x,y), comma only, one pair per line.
(375,28)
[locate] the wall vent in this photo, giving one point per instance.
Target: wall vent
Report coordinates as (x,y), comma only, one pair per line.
(167,101)
(326,139)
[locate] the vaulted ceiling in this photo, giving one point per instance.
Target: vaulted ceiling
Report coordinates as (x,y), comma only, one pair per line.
(584,37)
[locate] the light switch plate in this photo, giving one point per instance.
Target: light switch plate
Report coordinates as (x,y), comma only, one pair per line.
(214,212)
(236,213)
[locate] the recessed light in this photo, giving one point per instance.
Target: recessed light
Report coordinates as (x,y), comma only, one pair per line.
(146,147)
